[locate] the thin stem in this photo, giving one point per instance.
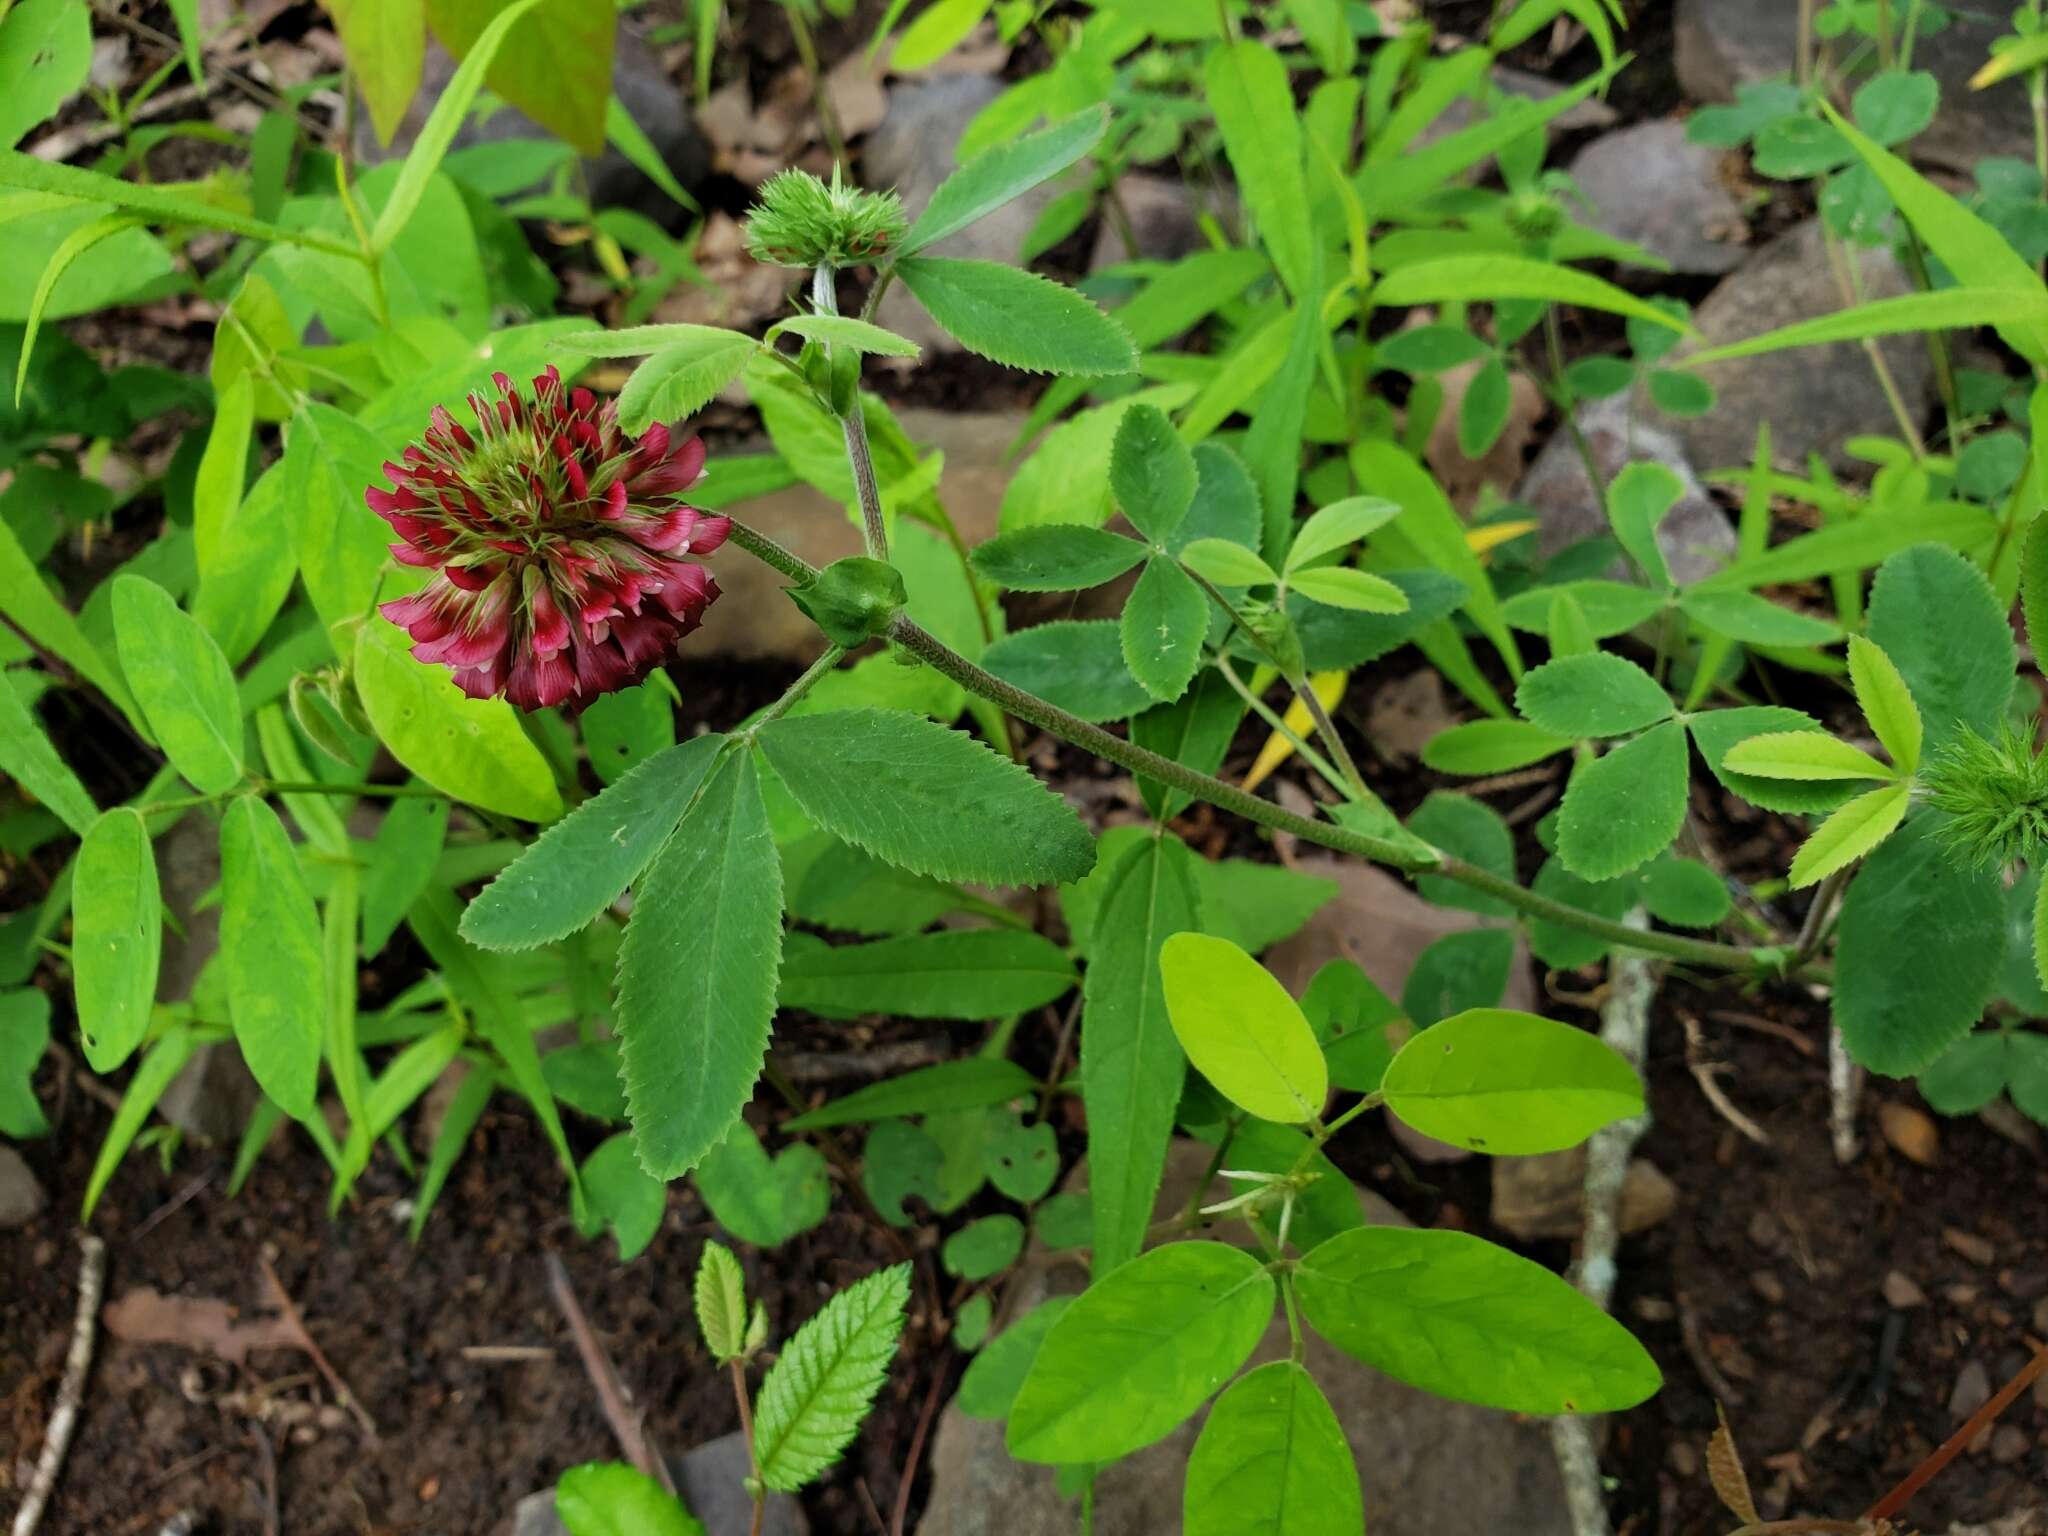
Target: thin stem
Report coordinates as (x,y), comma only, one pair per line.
(801,686)
(1561,396)
(854,425)
(1280,727)
(1327,729)
(1049,717)
(1815,928)
(739,1392)
(1297,1347)
(807,54)
(316,787)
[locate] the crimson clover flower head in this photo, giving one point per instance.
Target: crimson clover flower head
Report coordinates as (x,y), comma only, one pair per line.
(556,543)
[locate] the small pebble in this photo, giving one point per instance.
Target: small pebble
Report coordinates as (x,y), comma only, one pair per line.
(1971,1392)
(1911,1132)
(1978,1250)
(1960,1295)
(1685,1459)
(1766,1231)
(1768,1286)
(2024,1284)
(1900,1292)
(1655,1309)
(2008,1444)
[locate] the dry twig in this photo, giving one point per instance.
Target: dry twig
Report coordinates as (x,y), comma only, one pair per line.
(1707,1074)
(297,1324)
(612,1395)
(92,1275)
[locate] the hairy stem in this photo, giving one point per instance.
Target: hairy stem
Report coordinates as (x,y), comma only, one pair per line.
(854,424)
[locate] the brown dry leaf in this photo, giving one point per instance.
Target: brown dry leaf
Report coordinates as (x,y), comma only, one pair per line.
(147,1316)
(1501,465)
(1724,1470)
(741,290)
(854,87)
(1406,714)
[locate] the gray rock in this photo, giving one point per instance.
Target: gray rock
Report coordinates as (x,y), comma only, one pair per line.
(644,89)
(913,152)
(1588,112)
(1428,1466)
(1815,398)
(1723,44)
(757,623)
(21,1193)
(1649,184)
(1164,214)
(1696,537)
(709,1481)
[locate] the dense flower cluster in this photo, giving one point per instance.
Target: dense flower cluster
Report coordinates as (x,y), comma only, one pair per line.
(556,545)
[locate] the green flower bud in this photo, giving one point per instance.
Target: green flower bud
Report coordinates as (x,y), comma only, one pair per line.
(852,600)
(1277,633)
(799,221)
(1995,794)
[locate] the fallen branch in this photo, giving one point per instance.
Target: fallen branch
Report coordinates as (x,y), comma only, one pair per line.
(1845,1090)
(92,1275)
(1707,1074)
(612,1396)
(1624,1027)
(297,1324)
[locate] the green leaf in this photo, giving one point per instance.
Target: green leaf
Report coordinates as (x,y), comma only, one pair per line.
(1426,349)
(893,784)
(1473,831)
(1896,104)
(1483,412)
(610,1498)
(1461,970)
(1164,621)
(2034,585)
(1077,664)
(1056,557)
(1753,620)
(720,1294)
(24,1036)
(1272,1460)
(1490,746)
(27,757)
(386,44)
(965,973)
(28,603)
(2041,935)
(1018,318)
(1339,586)
(846,331)
(1246,86)
(73,246)
(997,1373)
(160,1063)
(1608,607)
(762,1202)
(1256,905)
(1717,732)
(1132,1067)
(983,1248)
(1493,278)
(1794,148)
(1624,808)
(1151,472)
(1804,755)
(1457,1316)
(1007,171)
(270,944)
(1946,309)
(329,459)
(1139,1351)
(1934,615)
(970,1083)
(45,56)
(1337,525)
(117,936)
(1510,1084)
(1850,833)
(1917,952)
(1242,1030)
(1684,893)
(218,486)
(623,730)
(619,1194)
(681,380)
(471,749)
(1597,694)
(1967,1076)
(1886,703)
(182,682)
(819,1390)
(1637,501)
(697,972)
(577,868)
(1225,564)
(1855,545)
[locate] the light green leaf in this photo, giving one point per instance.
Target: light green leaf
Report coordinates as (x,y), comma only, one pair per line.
(1966,1076)
(1139,1351)
(386,44)
(1339,586)
(1717,732)
(471,749)
(577,868)
(182,682)
(30,605)
(819,1390)
(73,246)
(1457,1316)
(330,458)
(45,56)
(1754,620)
(1850,833)
(998,175)
(1056,557)
(893,784)
(242,591)
(1164,621)
(720,1294)
(965,973)
(997,1373)
(1242,1030)
(1493,278)
(943,25)
(1151,472)
(1855,545)
(610,1498)
(973,1082)
(1225,564)
(1807,755)
(24,1036)
(442,124)
(270,943)
(681,380)
(403,856)
(1608,607)
(117,936)
(1491,746)
(1624,808)
(763,1202)
(1934,615)
(646,340)
(1272,1460)
(1248,90)
(27,757)
(162,1062)
(1597,694)
(1132,1067)
(1510,1084)
(1946,309)
(1018,318)
(697,972)
(1637,501)
(845,331)
(1886,703)
(1341,523)
(1917,952)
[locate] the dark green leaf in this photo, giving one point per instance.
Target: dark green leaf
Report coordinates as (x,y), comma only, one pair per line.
(1272,1459)
(1018,318)
(965,973)
(1458,971)
(1935,616)
(966,1084)
(1716,731)
(270,944)
(1056,557)
(1472,831)
(1151,472)
(1598,694)
(995,176)
(1077,664)
(1624,808)
(1164,621)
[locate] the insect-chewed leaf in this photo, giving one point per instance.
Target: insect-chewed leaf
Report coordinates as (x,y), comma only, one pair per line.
(817,1394)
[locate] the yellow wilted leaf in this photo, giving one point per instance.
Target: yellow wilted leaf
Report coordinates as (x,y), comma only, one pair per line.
(1493,535)
(1329,688)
